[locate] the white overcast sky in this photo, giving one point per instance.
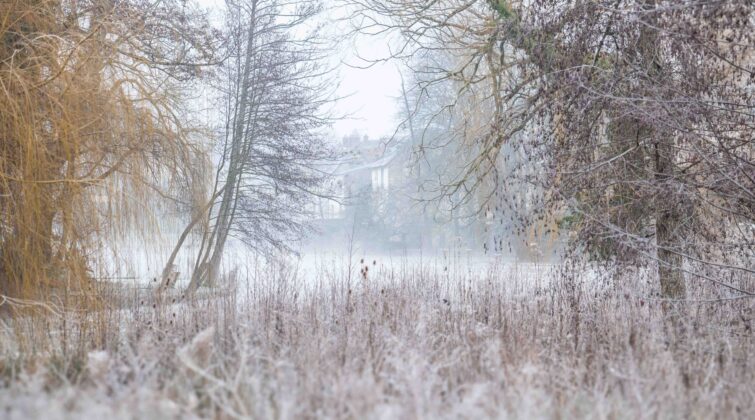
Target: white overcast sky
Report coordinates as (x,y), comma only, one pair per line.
(368,96)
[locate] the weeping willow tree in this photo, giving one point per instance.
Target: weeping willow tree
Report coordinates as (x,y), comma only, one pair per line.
(93,125)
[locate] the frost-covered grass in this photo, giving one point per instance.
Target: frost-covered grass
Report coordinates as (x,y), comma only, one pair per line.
(406,341)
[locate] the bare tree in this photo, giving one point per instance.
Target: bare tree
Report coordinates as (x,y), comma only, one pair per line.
(273,88)
(635,115)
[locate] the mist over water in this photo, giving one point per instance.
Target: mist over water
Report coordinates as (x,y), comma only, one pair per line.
(133,260)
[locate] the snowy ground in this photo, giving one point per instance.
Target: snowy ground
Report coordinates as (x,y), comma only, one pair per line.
(408,341)
(440,336)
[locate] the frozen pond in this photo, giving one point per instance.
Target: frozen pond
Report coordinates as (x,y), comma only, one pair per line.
(139,262)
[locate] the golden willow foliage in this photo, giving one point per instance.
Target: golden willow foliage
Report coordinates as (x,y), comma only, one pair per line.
(91,128)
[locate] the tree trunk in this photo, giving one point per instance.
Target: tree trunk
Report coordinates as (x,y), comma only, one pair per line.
(667,208)
(667,224)
(208,263)
(197,218)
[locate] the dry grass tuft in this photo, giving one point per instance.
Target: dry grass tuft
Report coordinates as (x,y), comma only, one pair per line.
(409,342)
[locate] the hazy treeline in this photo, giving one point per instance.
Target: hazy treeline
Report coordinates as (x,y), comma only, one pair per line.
(626,125)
